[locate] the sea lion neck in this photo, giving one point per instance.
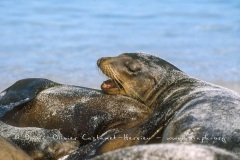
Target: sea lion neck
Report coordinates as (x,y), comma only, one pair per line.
(166,85)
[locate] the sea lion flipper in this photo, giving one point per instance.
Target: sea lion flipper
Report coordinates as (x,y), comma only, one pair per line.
(21,92)
(39,143)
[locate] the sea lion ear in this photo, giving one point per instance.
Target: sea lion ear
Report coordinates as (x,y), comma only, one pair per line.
(133,66)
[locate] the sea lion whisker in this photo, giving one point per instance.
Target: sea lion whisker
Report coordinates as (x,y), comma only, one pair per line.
(104,75)
(111,74)
(118,78)
(108,71)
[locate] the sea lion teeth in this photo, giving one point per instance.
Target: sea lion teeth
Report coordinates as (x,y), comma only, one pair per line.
(108,84)
(112,86)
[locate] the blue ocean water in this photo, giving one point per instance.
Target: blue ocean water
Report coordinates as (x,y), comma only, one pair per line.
(62,40)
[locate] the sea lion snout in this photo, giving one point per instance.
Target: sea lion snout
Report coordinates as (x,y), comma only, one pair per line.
(103,60)
(99,61)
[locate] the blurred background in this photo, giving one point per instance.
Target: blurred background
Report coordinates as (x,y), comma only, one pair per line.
(62,40)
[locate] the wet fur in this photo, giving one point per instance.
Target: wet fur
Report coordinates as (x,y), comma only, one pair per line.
(186,110)
(72,110)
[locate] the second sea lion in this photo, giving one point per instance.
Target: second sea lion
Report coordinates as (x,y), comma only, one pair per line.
(78,113)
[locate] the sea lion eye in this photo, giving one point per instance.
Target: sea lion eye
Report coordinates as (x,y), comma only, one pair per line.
(132,66)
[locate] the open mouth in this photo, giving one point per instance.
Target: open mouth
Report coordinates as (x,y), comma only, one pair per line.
(111,86)
(108,84)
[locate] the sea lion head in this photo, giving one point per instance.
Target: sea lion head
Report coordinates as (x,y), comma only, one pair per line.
(136,75)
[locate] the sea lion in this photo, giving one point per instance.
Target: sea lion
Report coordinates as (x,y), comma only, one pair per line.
(185,109)
(38,142)
(168,152)
(78,113)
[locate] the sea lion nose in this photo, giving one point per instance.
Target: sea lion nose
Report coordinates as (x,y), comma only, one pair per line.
(99,61)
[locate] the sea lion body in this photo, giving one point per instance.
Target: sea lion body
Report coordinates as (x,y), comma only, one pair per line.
(39,143)
(78,113)
(185,109)
(168,152)
(210,116)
